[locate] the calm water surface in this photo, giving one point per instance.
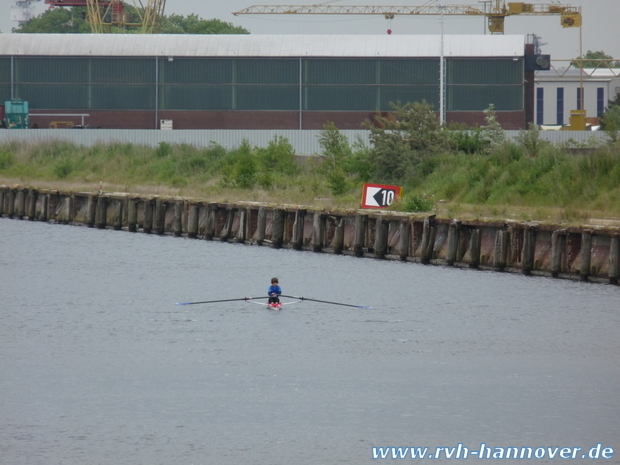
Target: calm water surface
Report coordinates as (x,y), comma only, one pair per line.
(99,366)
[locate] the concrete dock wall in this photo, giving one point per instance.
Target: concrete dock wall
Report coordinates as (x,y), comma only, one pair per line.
(586,254)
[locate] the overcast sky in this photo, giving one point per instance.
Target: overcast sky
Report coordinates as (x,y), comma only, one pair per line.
(601,22)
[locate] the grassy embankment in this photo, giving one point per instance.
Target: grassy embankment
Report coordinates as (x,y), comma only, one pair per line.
(552,185)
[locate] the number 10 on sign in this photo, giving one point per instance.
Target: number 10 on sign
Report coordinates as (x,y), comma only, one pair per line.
(379,195)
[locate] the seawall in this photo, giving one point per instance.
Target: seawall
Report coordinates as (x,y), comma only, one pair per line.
(587,254)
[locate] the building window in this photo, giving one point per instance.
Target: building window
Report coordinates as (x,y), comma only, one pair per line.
(579,98)
(540,101)
(560,108)
(600,101)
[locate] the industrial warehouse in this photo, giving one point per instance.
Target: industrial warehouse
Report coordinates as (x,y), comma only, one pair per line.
(263,81)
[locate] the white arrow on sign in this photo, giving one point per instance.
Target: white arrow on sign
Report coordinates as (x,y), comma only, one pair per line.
(370,196)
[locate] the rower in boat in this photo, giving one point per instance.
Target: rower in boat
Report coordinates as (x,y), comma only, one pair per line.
(274,291)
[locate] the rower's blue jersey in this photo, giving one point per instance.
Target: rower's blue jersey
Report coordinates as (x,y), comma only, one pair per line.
(274,290)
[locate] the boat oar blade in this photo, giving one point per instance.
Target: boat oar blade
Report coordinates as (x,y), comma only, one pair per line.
(325,301)
(218,301)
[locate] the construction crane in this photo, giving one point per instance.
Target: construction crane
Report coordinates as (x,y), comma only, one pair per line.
(103,15)
(570,16)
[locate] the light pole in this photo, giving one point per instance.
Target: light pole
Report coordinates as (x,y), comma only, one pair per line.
(442,75)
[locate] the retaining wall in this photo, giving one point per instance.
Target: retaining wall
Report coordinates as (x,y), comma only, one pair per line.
(528,248)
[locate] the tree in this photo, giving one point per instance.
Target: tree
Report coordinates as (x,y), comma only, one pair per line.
(530,140)
(73,20)
(610,121)
(335,145)
(493,131)
(193,24)
(57,21)
(401,144)
(595,62)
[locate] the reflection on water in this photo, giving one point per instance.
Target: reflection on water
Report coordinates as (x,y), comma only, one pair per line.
(100,367)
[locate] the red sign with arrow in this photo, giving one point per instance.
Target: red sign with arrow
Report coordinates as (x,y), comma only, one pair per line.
(380,195)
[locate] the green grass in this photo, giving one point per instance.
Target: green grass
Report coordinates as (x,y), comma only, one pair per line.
(551,179)
(508,182)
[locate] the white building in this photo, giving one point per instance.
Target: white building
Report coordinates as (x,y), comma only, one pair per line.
(557,93)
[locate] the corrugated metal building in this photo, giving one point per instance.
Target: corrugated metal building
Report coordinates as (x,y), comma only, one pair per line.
(261,82)
(558,91)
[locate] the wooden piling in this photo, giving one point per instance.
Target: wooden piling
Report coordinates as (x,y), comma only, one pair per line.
(586,254)
(360,235)
(32,204)
(117,219)
(297,241)
(102,212)
(91,208)
(159,217)
(52,204)
(318,232)
(210,221)
(177,222)
(2,199)
(506,249)
(10,211)
(338,242)
(500,254)
(404,240)
(21,204)
(68,217)
(132,214)
(614,260)
(226,231)
(454,234)
(147,224)
(475,245)
(529,248)
(243,216)
(261,225)
(45,207)
(59,209)
(381,237)
(428,239)
(277,231)
(558,245)
(192,220)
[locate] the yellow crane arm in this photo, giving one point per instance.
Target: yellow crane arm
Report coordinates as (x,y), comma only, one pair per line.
(359,10)
(570,16)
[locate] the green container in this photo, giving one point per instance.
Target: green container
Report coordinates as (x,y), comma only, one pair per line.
(16,113)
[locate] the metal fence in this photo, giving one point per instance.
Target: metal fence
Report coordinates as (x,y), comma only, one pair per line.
(305,142)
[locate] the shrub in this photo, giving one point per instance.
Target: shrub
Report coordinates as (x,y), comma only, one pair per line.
(468,140)
(337,182)
(334,144)
(163,150)
(63,168)
(530,140)
(245,172)
(266,179)
(414,203)
(401,142)
(278,157)
(6,160)
(493,131)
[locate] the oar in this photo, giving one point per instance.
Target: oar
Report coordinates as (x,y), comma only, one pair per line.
(217,301)
(324,301)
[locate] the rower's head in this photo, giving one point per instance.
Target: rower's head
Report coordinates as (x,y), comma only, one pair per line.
(274,280)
